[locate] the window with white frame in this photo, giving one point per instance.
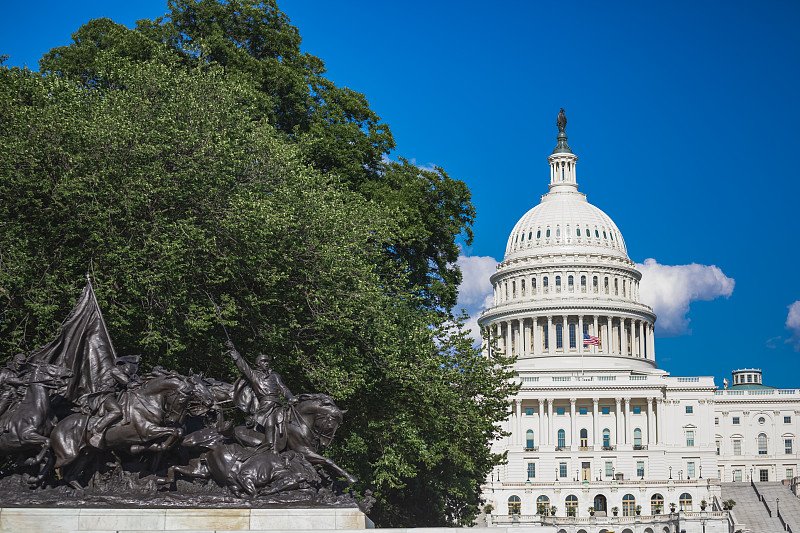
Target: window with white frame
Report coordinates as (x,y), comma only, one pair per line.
(787,446)
(562,470)
(690,469)
(640,469)
(531,470)
(789,473)
(737,447)
(737,475)
(762,444)
(690,438)
(609,468)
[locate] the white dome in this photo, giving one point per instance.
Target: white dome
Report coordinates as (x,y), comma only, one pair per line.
(564,222)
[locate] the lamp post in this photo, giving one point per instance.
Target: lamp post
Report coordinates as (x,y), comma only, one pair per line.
(680,474)
(701,471)
(670,472)
(777,505)
(556,473)
(751,475)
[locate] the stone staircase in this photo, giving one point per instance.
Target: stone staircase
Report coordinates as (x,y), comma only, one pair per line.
(789,505)
(749,511)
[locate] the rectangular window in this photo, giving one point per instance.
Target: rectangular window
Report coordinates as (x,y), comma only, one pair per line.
(609,469)
(637,410)
(582,410)
(737,447)
(690,470)
(689,438)
(787,419)
(789,473)
(531,470)
(640,469)
(546,336)
(529,411)
(717,447)
(606,410)
(559,336)
(572,336)
(689,409)
(787,444)
(560,411)
(562,470)
(763,475)
(716,420)
(737,475)
(735,420)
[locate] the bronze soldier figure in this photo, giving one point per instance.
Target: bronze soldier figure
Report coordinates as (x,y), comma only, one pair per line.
(267,387)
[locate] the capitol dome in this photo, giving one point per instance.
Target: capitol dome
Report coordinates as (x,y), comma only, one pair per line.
(566,293)
(562,223)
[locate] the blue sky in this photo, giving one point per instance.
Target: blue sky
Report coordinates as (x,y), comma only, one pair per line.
(683,115)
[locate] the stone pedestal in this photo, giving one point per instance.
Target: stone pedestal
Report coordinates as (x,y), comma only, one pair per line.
(71,519)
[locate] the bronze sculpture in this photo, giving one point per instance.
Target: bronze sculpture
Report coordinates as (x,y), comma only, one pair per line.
(162,432)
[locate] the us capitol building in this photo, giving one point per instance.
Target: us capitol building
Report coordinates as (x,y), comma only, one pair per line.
(597,429)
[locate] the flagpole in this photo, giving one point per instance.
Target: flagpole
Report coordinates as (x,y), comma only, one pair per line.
(102,320)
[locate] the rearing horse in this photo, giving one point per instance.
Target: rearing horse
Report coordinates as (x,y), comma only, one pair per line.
(28,424)
(156,411)
(310,425)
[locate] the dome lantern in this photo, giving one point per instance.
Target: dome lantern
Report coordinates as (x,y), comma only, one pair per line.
(562,161)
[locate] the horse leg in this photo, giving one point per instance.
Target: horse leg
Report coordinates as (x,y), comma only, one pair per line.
(29,436)
(75,470)
(317,459)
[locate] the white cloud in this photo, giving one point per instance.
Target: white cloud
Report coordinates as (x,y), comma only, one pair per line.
(793,324)
(669,289)
(475,292)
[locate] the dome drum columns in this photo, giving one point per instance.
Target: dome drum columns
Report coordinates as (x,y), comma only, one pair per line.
(548,335)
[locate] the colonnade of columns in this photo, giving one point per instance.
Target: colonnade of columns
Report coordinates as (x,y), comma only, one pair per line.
(623,422)
(564,334)
(558,282)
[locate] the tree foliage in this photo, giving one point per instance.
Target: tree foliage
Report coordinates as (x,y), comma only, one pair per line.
(204,156)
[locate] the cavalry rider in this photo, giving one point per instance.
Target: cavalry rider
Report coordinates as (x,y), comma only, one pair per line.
(10,377)
(123,376)
(267,387)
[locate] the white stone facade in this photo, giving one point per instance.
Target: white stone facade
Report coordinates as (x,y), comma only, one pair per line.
(596,423)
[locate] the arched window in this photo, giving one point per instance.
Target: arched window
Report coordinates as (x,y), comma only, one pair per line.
(514,506)
(530,234)
(628,505)
(685,502)
(594,284)
(579,231)
(533,285)
(571,505)
(522,288)
(558,232)
(559,336)
(584,438)
(562,438)
(571,282)
(546,337)
(616,287)
(572,340)
(656,504)
(547,233)
(606,285)
(762,444)
(529,439)
(545,284)
(597,234)
(606,438)
(583,283)
(543,505)
(558,283)
(538,234)
(637,437)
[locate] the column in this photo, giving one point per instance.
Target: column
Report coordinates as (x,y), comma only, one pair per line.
(640,331)
(660,421)
(580,334)
(628,425)
(540,437)
(551,337)
(565,334)
(526,338)
(519,423)
(596,423)
(651,338)
(623,338)
(509,347)
(574,436)
(651,426)
(534,324)
(595,333)
(618,417)
(549,427)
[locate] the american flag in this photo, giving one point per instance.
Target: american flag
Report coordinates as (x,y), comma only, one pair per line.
(590,340)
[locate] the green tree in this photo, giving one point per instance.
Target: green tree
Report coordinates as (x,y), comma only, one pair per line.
(165,179)
(334,127)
